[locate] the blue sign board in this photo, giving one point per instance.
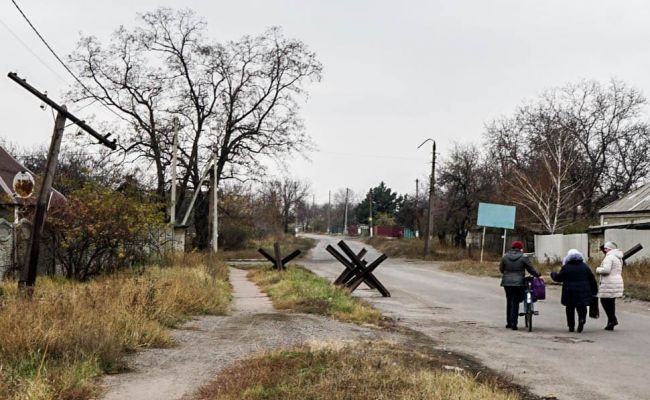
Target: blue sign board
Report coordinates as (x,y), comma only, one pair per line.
(496,215)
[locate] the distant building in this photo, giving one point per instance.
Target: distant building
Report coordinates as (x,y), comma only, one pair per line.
(625,221)
(9,167)
(632,209)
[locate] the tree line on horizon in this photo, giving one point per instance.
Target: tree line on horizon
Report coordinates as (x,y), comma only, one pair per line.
(559,158)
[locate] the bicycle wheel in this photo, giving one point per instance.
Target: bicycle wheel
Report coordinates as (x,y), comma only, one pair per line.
(529,320)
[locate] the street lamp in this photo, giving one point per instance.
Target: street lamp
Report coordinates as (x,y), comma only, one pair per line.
(429,231)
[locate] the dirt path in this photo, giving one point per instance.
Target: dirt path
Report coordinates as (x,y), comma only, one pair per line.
(208,344)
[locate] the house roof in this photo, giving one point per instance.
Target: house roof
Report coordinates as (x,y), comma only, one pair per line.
(643,223)
(9,167)
(636,201)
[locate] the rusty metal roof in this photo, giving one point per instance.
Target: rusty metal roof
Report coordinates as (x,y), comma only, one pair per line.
(636,201)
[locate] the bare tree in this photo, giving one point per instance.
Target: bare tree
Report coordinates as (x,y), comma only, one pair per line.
(465,179)
(119,76)
(544,187)
(240,99)
(287,194)
(580,144)
(612,139)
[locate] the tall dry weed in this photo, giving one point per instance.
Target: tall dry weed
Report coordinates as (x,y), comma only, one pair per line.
(55,344)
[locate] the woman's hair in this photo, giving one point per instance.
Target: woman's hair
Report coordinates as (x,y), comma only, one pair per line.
(573,255)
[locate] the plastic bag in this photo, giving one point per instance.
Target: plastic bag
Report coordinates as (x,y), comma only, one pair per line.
(539,288)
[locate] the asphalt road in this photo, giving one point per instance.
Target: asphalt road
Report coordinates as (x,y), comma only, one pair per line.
(467,314)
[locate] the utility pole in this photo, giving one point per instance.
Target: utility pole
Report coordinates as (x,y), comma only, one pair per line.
(29,270)
(311,212)
(28,273)
(329,212)
(172,206)
(215,198)
(345,219)
(432,180)
(370,217)
(417,207)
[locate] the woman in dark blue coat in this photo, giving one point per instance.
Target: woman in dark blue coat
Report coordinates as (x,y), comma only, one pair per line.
(578,288)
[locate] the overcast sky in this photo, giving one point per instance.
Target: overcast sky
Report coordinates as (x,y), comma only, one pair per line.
(395,73)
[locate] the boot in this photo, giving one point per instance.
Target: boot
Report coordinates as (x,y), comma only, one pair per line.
(611,324)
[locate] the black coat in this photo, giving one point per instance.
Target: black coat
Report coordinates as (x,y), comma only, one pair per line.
(513,266)
(578,283)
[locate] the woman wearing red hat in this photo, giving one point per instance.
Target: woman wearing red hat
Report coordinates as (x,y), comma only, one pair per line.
(513,266)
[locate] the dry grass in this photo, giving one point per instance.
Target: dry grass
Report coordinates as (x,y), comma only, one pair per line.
(288,243)
(300,290)
(413,248)
(636,276)
(55,345)
(491,268)
(353,371)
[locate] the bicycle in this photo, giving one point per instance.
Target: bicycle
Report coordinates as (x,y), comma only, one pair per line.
(529,304)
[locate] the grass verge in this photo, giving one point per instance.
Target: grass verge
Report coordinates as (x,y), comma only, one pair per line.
(55,345)
(353,371)
(636,276)
(300,290)
(288,243)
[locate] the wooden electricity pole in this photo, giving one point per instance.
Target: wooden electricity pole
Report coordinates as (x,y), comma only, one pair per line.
(28,273)
(29,270)
(432,180)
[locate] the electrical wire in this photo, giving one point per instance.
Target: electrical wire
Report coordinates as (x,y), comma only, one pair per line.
(59,59)
(32,51)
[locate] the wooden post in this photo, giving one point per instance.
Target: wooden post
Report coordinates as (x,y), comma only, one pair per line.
(278,256)
(28,273)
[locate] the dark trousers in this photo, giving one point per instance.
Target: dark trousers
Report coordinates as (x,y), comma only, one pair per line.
(514,295)
(609,305)
(571,315)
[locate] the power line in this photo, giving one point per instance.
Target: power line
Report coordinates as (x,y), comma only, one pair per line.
(59,59)
(32,51)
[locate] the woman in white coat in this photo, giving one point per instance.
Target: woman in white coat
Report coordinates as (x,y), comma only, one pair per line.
(611,282)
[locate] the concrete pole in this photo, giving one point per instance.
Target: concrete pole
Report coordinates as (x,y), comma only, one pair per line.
(417,204)
(370,217)
(432,180)
(345,219)
(215,198)
(329,212)
(172,206)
